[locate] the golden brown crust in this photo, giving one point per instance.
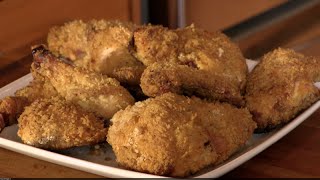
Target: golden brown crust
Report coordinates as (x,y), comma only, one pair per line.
(280,86)
(92,91)
(98,45)
(38,88)
(10,109)
(160,78)
(56,124)
(177,136)
(155,44)
(12,106)
(129,75)
(213,54)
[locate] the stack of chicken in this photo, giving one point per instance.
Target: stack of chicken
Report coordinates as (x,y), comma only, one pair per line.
(169,102)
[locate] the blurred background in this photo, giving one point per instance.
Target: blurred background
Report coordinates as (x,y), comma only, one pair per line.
(257,26)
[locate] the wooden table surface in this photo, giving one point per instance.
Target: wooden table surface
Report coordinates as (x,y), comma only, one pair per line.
(295,155)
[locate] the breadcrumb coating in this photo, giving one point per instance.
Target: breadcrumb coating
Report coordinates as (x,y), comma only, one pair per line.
(10,109)
(38,88)
(56,124)
(209,54)
(177,136)
(98,45)
(160,78)
(155,44)
(12,106)
(281,86)
(92,91)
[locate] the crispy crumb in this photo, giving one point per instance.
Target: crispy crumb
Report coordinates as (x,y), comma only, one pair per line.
(177,136)
(208,55)
(280,86)
(56,124)
(94,92)
(98,45)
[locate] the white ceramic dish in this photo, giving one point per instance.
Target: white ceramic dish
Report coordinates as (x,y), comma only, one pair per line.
(102,161)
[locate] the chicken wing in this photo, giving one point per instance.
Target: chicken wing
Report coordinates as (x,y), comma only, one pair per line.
(99,45)
(281,86)
(210,55)
(92,91)
(56,124)
(177,136)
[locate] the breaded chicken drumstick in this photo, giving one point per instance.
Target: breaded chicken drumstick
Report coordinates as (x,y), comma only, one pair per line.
(92,91)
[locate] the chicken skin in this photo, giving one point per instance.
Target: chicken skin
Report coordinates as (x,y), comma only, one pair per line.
(160,78)
(38,88)
(177,136)
(281,86)
(92,91)
(155,44)
(12,106)
(206,54)
(55,124)
(10,109)
(98,45)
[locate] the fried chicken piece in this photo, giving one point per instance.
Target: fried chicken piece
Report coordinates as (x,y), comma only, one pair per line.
(38,88)
(56,124)
(160,78)
(155,44)
(207,54)
(214,53)
(10,109)
(177,136)
(281,86)
(92,91)
(98,45)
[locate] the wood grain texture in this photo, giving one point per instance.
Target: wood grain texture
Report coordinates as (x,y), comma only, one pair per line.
(296,155)
(14,165)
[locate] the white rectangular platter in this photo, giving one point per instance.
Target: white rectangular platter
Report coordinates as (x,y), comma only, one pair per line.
(101,160)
